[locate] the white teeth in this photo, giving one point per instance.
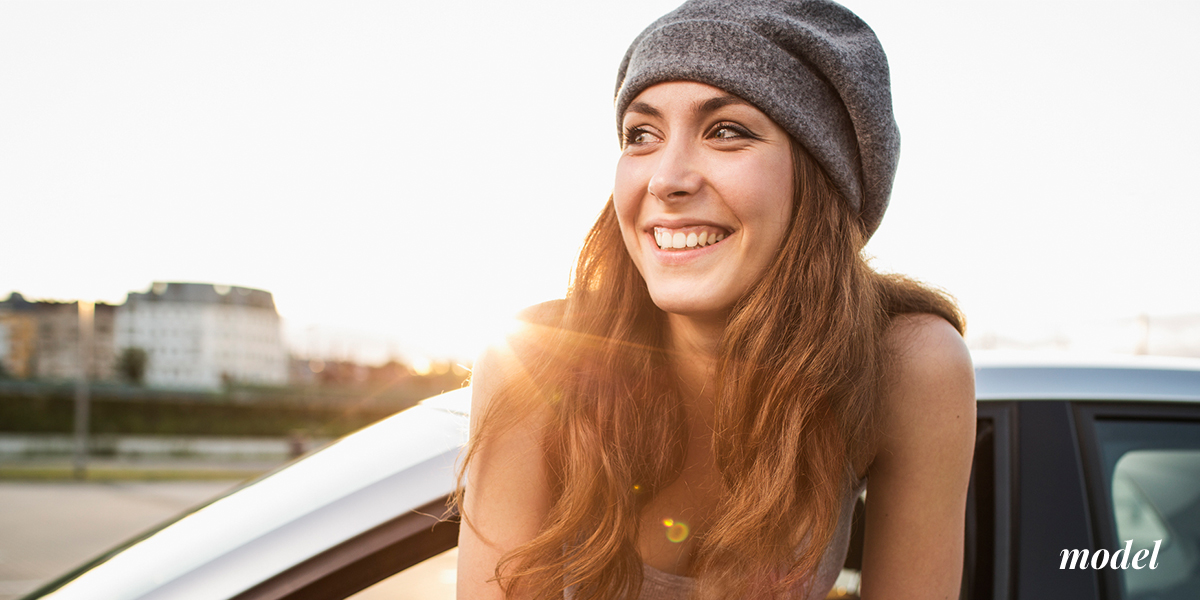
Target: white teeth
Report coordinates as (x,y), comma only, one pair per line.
(666,240)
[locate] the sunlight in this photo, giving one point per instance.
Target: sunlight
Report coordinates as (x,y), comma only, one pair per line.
(422,366)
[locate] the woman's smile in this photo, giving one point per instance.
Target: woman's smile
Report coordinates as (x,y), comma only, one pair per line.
(676,247)
(686,238)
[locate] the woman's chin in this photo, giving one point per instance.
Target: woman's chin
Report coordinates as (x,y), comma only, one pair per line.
(691,305)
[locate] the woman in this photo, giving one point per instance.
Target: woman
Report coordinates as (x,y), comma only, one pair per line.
(726,373)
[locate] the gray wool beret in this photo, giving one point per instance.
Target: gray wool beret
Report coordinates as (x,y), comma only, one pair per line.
(812,66)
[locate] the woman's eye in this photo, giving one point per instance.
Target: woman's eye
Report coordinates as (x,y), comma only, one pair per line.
(729,132)
(638,136)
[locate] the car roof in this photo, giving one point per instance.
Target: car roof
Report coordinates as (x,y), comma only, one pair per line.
(1007,375)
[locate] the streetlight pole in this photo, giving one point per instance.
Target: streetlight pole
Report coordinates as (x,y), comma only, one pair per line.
(87,311)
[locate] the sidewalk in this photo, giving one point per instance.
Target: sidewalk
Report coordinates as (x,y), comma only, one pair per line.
(48,528)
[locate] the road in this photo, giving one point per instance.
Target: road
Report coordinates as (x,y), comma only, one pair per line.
(48,528)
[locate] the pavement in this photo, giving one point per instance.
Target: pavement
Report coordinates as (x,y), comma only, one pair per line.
(51,524)
(48,528)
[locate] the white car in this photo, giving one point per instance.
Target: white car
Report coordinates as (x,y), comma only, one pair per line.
(1070,456)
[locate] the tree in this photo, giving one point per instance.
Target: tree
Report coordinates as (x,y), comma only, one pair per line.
(131,364)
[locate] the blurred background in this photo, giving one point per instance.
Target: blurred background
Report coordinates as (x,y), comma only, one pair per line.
(285,220)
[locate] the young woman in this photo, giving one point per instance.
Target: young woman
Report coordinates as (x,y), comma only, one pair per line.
(726,374)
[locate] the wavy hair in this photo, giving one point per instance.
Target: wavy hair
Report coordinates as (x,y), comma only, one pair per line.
(799,369)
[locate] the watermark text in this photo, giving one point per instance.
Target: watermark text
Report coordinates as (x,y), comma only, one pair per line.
(1120,559)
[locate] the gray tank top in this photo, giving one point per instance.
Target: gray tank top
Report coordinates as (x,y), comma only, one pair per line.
(659,585)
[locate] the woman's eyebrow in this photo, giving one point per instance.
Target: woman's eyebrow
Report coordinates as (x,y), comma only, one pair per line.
(701,108)
(713,104)
(644,109)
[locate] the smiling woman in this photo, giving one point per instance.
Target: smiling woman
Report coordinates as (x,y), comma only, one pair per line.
(698,416)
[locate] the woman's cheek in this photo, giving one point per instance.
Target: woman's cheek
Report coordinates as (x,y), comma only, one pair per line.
(626,193)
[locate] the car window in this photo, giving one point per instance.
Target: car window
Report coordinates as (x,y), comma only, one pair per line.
(1152,471)
(432,579)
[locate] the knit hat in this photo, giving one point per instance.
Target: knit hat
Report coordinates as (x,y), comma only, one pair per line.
(812,66)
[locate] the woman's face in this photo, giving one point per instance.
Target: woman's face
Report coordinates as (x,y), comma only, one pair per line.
(703,195)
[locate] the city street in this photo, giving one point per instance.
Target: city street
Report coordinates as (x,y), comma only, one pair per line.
(49,528)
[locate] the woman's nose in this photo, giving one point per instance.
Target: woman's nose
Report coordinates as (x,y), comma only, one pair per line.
(676,176)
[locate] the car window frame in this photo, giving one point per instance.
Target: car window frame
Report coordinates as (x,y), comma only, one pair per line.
(365,559)
(1051,503)
(988,542)
(1102,519)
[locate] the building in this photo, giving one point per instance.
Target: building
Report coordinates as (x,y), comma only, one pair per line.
(41,339)
(204,336)
(57,355)
(18,337)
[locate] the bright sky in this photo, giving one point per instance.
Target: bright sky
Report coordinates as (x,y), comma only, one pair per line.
(402,175)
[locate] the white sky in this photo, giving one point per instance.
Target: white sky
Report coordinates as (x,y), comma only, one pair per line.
(401,175)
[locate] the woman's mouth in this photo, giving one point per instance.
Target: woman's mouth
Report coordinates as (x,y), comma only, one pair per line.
(683,238)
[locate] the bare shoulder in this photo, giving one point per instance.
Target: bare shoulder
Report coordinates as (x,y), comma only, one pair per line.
(929,367)
(927,407)
(505,362)
(922,464)
(494,367)
(507,496)
(508,422)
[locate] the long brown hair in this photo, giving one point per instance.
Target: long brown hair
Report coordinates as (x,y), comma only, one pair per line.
(799,369)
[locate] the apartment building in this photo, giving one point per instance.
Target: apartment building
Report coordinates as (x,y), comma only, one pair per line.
(203,336)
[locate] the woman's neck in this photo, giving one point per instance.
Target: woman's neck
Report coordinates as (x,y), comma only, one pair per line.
(693,347)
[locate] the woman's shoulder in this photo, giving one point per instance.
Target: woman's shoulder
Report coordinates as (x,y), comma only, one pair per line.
(929,368)
(919,343)
(508,416)
(922,461)
(545,314)
(507,493)
(515,355)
